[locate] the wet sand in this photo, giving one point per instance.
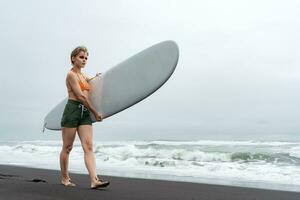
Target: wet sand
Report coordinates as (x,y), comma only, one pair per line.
(38,184)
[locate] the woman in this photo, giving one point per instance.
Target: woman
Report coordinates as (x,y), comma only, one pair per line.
(76,117)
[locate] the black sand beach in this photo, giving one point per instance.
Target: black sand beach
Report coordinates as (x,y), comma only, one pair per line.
(29,183)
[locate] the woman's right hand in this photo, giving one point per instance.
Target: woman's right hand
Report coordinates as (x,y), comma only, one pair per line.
(98,117)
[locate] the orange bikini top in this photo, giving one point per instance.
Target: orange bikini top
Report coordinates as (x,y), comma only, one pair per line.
(83,84)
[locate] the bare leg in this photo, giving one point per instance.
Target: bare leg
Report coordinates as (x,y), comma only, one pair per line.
(85,133)
(68,136)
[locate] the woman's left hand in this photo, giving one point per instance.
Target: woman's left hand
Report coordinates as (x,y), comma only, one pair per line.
(98,74)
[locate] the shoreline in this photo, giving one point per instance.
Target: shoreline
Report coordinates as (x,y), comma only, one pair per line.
(18,182)
(207,162)
(183,179)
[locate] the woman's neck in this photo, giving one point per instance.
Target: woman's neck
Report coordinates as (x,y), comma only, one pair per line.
(76,69)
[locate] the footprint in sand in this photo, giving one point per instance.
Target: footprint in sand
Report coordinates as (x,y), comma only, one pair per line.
(7,176)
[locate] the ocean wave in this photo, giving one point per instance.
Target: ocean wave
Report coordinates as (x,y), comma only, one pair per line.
(273,161)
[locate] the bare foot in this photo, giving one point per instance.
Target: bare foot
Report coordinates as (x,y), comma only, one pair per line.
(98,183)
(67,182)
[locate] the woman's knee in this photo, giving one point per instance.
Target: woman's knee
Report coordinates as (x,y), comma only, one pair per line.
(87,147)
(67,148)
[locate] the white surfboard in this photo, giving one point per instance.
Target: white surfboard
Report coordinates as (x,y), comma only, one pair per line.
(126,83)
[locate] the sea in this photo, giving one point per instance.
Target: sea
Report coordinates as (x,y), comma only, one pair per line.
(250,163)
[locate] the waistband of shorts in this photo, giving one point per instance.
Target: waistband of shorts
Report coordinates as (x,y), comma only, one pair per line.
(74,102)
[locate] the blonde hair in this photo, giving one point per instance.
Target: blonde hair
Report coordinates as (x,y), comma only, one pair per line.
(77,50)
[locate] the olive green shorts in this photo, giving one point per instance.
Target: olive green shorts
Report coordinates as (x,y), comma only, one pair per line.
(75,114)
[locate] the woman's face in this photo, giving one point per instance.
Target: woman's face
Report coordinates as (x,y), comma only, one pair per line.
(80,59)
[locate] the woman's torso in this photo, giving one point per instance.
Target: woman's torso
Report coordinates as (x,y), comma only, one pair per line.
(71,94)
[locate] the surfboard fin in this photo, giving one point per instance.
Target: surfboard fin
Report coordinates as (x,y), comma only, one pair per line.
(44,127)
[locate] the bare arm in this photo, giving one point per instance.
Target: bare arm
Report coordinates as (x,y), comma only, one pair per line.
(71,78)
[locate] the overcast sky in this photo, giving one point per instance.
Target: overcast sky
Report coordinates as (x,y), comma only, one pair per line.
(237,78)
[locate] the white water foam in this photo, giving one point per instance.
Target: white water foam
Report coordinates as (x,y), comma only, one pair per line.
(257,163)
